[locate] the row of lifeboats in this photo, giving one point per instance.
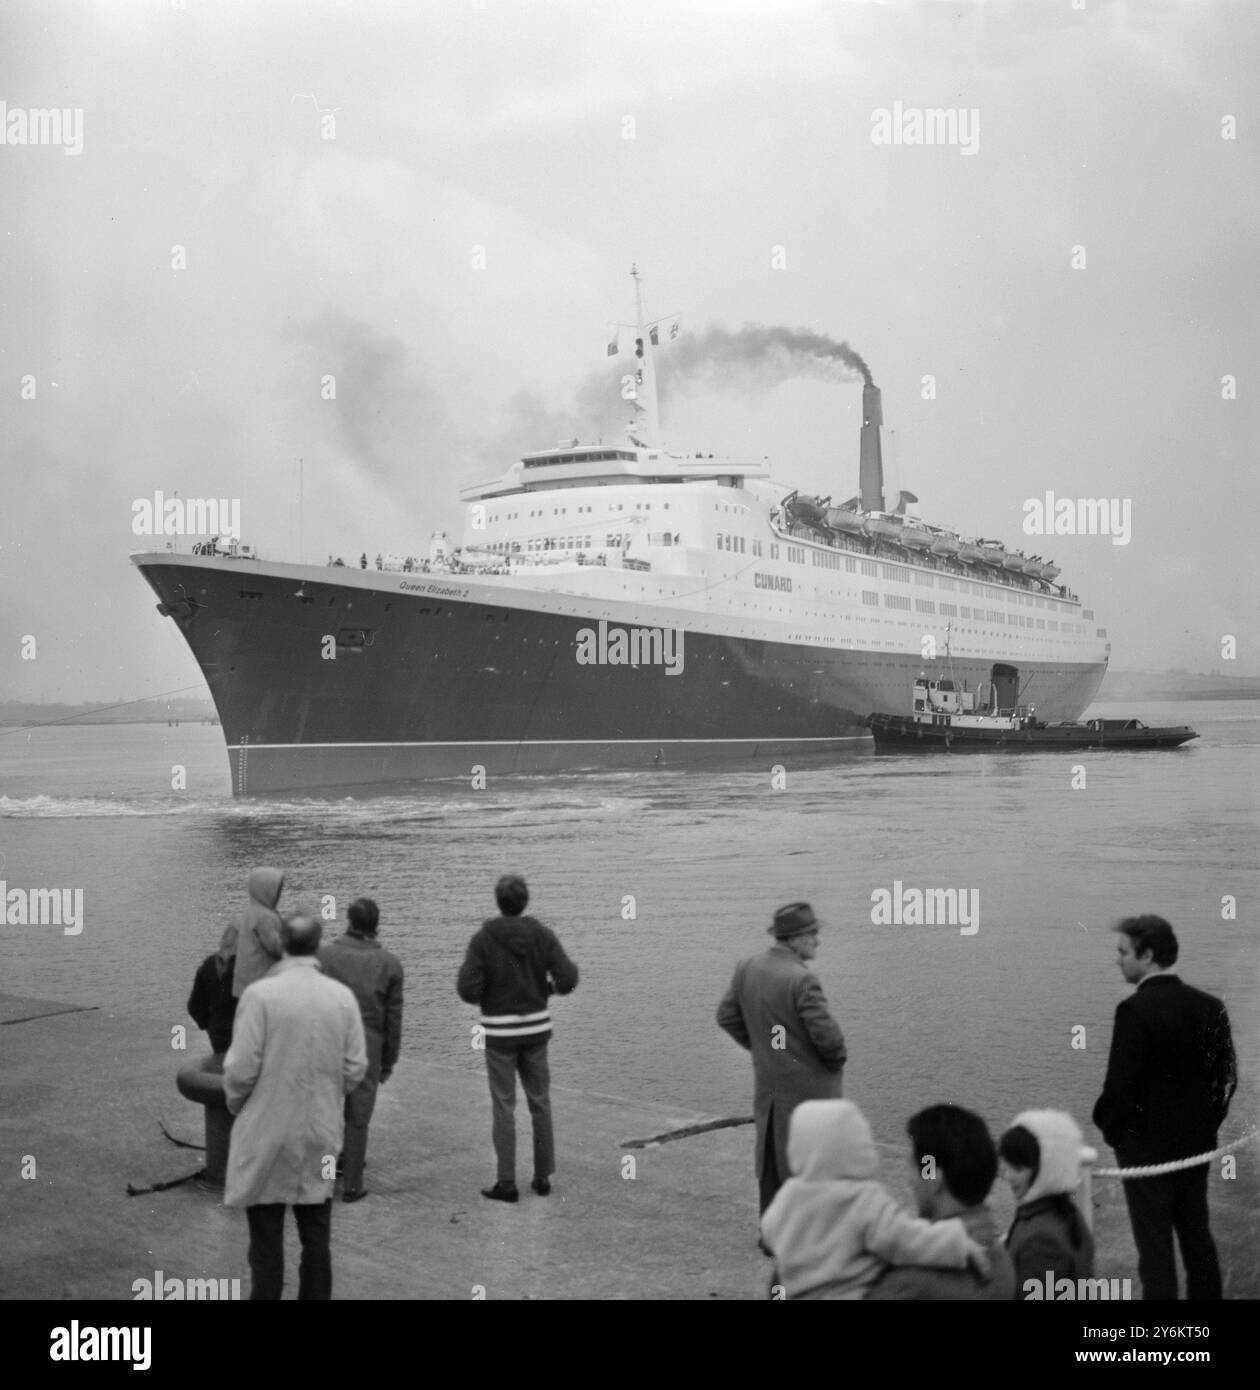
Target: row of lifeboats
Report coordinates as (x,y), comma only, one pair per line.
(912,534)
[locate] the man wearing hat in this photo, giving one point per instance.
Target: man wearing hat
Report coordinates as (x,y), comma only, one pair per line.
(776,1009)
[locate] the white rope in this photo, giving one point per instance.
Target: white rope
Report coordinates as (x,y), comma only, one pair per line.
(1157,1170)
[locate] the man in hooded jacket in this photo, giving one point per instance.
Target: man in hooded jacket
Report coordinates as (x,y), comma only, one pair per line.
(513,965)
(212,1003)
(258,929)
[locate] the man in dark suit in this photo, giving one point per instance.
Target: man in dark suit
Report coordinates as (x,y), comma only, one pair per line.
(1170,1078)
(776,1009)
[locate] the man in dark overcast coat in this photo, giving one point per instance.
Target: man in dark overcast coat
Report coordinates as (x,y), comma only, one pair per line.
(776,1009)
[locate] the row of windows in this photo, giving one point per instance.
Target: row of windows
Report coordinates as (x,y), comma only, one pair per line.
(796,553)
(602,456)
(947,610)
(564,511)
(725,541)
(558,543)
(830,559)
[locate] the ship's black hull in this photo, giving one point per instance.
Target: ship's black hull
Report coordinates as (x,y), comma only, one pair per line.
(899,733)
(429,684)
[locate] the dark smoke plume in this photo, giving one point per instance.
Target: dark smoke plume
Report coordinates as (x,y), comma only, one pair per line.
(771,355)
(751,358)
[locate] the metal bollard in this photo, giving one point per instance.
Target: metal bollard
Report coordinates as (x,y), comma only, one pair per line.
(202,1081)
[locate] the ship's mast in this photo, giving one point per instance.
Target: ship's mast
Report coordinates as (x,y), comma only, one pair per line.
(645,427)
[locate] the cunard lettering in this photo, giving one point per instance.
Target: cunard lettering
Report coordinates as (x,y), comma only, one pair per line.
(636,646)
(772,581)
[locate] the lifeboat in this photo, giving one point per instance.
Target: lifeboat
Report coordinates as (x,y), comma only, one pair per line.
(915,536)
(807,511)
(1050,570)
(884,526)
(970,553)
(841,519)
(1033,567)
(943,544)
(992,552)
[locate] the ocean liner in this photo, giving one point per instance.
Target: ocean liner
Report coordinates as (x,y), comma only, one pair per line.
(618,606)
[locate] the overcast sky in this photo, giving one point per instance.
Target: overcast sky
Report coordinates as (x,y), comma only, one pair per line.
(504,126)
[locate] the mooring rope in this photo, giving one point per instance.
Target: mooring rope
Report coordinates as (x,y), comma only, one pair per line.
(1157,1170)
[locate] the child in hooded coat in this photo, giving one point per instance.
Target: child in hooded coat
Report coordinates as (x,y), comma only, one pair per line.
(833,1228)
(1041,1159)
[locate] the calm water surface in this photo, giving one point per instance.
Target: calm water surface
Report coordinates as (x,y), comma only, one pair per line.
(929,1014)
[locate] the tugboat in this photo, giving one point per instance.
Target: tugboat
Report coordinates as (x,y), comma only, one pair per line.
(949,717)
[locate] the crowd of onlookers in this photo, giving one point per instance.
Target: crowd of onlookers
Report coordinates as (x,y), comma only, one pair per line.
(835,1233)
(307,1032)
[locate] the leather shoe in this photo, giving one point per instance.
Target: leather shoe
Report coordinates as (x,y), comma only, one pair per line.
(502,1192)
(356,1196)
(541,1186)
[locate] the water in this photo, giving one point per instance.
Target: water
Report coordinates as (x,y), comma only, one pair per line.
(705,856)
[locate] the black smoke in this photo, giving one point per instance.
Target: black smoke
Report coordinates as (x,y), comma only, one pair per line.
(755,354)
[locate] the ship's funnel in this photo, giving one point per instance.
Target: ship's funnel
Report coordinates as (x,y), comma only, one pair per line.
(871,475)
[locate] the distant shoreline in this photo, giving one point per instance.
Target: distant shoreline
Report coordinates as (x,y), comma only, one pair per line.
(1118,687)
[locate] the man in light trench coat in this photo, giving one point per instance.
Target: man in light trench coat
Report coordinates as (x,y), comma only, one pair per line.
(297,1052)
(776,1009)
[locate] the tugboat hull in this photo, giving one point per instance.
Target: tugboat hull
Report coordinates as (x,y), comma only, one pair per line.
(899,733)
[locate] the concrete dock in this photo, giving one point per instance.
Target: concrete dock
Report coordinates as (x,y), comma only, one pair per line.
(86,1093)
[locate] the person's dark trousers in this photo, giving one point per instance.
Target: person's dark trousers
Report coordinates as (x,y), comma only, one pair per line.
(1157,1207)
(360,1104)
(266,1250)
(770,1180)
(502,1065)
